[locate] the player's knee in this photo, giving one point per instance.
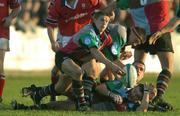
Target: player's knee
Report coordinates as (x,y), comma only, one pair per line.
(77,74)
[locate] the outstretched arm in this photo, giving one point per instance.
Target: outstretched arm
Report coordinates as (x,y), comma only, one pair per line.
(174,22)
(7,20)
(145,101)
(98,55)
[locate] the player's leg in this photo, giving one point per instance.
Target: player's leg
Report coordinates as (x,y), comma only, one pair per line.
(163,79)
(139,55)
(64,84)
(92,70)
(70,68)
(165,51)
(37,93)
(2,76)
(55,73)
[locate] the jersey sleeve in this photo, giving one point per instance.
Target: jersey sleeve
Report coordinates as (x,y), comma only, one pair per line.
(123,4)
(52,18)
(13,4)
(119,36)
(89,40)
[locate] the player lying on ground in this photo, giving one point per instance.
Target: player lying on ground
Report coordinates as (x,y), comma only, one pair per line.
(79,14)
(135,99)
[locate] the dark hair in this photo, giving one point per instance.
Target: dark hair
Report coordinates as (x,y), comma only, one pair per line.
(140,62)
(97,14)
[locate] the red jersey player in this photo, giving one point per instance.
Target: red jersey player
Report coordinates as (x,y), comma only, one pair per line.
(5,22)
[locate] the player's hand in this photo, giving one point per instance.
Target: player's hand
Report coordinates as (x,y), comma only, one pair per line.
(55,46)
(117,70)
(146,88)
(116,98)
(155,37)
(125,55)
(6,21)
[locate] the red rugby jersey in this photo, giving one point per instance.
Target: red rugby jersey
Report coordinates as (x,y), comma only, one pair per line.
(4,12)
(71,20)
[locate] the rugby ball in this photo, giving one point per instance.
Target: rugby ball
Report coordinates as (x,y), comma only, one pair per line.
(130,79)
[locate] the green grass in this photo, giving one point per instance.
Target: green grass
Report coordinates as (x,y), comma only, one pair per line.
(16,80)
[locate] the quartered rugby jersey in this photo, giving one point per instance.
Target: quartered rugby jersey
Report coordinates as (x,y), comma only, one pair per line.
(118,34)
(151,15)
(71,19)
(81,42)
(4,12)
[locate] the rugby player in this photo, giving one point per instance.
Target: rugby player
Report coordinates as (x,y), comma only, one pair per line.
(70,16)
(5,22)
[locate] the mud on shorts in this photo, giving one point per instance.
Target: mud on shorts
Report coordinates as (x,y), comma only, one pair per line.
(61,56)
(163,44)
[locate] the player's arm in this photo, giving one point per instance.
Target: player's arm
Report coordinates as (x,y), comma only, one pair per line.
(90,40)
(174,22)
(103,90)
(7,20)
(52,22)
(98,55)
(54,44)
(171,25)
(145,101)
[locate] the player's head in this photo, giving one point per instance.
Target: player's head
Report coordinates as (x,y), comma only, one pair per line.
(136,93)
(136,36)
(140,67)
(101,20)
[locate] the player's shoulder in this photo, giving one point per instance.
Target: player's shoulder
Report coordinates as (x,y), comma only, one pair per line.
(86,31)
(117,29)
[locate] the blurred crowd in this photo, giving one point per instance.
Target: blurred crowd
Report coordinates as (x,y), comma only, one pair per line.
(33,14)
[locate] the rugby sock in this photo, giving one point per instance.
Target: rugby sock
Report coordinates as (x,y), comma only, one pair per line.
(2,83)
(78,92)
(54,80)
(47,90)
(88,84)
(54,76)
(162,82)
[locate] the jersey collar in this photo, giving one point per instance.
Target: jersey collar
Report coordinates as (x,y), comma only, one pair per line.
(75,4)
(95,29)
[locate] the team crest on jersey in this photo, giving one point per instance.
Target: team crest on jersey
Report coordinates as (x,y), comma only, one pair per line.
(114,49)
(87,40)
